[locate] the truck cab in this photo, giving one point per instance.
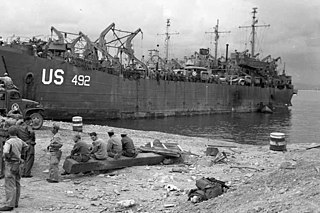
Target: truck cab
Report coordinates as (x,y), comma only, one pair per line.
(11,99)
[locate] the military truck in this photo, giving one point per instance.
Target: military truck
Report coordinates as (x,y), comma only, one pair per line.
(10,99)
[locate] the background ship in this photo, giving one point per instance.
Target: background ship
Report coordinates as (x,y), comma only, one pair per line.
(81,77)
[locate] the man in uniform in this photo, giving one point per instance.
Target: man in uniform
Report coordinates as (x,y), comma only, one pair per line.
(2,141)
(11,152)
(3,138)
(26,133)
(127,146)
(4,126)
(114,146)
(55,155)
(80,151)
(99,147)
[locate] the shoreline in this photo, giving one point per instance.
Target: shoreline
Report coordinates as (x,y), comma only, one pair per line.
(244,166)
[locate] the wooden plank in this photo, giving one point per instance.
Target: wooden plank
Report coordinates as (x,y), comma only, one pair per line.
(161,151)
(313,147)
(228,146)
(173,146)
(72,166)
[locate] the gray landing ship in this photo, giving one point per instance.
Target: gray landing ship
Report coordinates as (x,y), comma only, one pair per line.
(81,77)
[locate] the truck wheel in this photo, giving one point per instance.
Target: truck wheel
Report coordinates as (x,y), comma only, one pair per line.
(37,120)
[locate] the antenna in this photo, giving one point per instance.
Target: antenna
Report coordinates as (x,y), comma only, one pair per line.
(216,38)
(253,26)
(167,34)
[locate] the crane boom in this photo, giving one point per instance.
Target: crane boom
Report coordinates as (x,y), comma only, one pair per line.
(130,52)
(59,34)
(102,42)
(72,45)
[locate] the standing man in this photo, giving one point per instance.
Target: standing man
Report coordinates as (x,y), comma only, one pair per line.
(55,155)
(2,141)
(26,133)
(12,151)
(114,146)
(127,146)
(3,138)
(99,149)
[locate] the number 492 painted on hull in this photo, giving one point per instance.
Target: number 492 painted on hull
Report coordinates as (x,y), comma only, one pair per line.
(81,80)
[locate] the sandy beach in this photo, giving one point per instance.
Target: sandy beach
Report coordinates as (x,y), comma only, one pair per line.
(260,180)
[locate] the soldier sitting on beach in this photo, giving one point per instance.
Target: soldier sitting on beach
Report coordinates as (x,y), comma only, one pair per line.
(128,148)
(99,149)
(114,146)
(80,151)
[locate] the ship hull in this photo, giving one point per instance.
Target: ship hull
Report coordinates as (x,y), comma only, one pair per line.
(67,89)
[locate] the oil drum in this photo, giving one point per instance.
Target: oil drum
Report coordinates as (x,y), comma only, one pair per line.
(278,141)
(77,123)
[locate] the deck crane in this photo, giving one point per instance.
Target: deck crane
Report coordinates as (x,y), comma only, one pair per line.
(71,46)
(59,34)
(93,47)
(90,46)
(130,52)
(102,42)
(56,46)
(266,58)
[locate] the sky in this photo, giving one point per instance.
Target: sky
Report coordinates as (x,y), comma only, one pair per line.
(294,32)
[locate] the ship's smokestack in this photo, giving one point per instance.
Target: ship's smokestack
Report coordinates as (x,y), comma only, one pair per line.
(227,48)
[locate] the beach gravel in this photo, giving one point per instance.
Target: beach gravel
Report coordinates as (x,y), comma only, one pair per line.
(260,180)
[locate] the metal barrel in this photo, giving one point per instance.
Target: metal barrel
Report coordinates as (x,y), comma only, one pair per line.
(278,141)
(77,123)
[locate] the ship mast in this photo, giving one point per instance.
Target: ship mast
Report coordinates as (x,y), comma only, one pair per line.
(216,38)
(167,34)
(253,28)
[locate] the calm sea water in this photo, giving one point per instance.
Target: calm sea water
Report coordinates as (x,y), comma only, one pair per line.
(300,123)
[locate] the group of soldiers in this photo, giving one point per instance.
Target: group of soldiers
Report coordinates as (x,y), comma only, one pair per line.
(100,149)
(17,141)
(24,131)
(113,148)
(82,152)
